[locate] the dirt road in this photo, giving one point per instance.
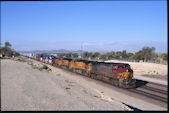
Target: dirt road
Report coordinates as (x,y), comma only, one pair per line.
(24,88)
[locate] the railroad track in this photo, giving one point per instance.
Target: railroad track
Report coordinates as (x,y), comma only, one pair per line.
(150,90)
(154,91)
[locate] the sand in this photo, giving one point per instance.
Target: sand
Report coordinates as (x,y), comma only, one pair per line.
(142,68)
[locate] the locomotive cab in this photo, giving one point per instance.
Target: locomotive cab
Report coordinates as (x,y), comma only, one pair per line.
(124,73)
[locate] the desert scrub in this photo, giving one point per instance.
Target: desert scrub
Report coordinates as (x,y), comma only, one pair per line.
(67,81)
(30,62)
(44,67)
(34,66)
(152,75)
(65,87)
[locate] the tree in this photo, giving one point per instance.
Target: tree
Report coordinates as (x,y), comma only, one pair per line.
(69,55)
(165,56)
(16,54)
(145,54)
(138,56)
(124,54)
(103,56)
(90,54)
(75,55)
(95,55)
(118,55)
(86,54)
(148,53)
(110,55)
(7,45)
(130,55)
(7,51)
(61,55)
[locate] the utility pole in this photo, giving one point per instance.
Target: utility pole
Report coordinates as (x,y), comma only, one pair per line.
(81,50)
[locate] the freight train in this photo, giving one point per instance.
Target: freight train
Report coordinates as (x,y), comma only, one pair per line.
(117,74)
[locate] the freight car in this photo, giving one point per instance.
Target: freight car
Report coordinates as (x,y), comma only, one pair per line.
(118,74)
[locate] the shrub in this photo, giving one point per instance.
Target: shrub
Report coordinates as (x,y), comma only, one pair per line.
(45,67)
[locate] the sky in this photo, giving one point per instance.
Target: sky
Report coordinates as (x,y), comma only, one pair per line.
(92,25)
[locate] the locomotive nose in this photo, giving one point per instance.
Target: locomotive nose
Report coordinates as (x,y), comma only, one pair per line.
(129,70)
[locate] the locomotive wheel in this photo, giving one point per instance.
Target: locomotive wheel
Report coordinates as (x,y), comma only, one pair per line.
(111,81)
(88,74)
(120,82)
(95,76)
(80,71)
(77,70)
(70,67)
(92,76)
(99,77)
(85,73)
(116,83)
(126,84)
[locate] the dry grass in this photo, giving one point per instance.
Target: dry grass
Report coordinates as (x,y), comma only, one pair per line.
(39,67)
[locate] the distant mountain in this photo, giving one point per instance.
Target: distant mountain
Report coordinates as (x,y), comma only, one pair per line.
(52,51)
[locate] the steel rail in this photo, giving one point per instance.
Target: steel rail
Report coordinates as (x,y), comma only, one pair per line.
(156,97)
(155,89)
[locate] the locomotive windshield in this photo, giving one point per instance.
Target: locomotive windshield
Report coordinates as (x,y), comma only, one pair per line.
(127,66)
(122,66)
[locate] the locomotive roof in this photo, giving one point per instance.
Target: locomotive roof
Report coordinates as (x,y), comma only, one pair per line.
(67,59)
(81,60)
(117,63)
(44,55)
(86,61)
(90,61)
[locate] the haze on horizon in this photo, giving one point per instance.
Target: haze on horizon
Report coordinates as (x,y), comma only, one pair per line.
(96,26)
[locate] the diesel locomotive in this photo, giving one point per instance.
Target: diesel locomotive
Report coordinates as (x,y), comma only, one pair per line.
(117,74)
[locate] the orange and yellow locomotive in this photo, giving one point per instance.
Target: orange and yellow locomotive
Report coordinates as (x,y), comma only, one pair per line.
(118,74)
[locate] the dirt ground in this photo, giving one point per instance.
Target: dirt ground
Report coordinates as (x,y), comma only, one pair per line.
(142,68)
(24,87)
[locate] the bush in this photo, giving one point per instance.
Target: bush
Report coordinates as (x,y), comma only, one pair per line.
(45,67)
